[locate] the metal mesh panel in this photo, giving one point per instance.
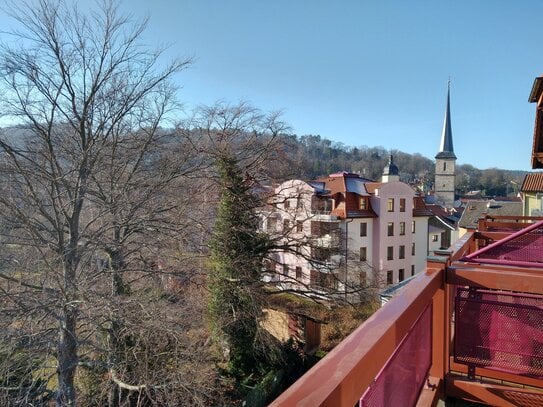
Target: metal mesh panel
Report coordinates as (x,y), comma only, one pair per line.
(401,379)
(499,330)
(517,398)
(524,246)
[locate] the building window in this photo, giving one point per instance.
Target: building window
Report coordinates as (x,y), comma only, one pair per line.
(272,224)
(401,274)
(402,228)
(412,270)
(390,278)
(413,227)
(287,203)
(299,203)
(390,228)
(401,253)
(299,226)
(363,279)
(286,225)
(363,253)
(298,273)
(313,278)
(402,204)
(390,204)
(363,229)
(270,266)
(285,270)
(390,253)
(363,204)
(435,238)
(326,280)
(444,166)
(413,249)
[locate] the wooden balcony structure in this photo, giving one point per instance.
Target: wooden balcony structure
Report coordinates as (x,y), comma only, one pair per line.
(470,327)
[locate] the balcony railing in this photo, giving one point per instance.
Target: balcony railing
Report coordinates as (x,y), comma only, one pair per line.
(327,241)
(462,329)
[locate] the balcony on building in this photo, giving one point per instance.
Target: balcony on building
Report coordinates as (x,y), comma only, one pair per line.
(468,329)
(321,208)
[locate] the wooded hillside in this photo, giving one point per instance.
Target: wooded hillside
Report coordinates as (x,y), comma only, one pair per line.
(311,156)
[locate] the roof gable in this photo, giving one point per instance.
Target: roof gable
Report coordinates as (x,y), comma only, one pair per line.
(533,182)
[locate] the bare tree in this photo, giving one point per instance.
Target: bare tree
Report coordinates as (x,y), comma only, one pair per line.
(89,99)
(309,253)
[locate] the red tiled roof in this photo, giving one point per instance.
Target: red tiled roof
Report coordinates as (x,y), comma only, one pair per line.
(437,210)
(335,184)
(419,207)
(533,182)
(372,186)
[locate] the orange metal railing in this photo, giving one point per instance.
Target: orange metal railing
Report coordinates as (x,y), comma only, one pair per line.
(344,375)
(348,370)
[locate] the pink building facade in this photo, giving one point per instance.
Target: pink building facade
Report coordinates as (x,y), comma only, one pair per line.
(343,233)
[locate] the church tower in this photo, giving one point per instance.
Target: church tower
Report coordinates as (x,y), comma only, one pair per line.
(390,172)
(444,185)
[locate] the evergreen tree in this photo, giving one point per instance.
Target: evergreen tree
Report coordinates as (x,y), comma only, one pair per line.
(237,250)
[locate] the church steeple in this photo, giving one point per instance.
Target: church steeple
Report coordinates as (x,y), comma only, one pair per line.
(444,186)
(446,149)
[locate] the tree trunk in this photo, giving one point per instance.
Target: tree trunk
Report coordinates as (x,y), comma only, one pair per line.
(67,357)
(67,342)
(116,265)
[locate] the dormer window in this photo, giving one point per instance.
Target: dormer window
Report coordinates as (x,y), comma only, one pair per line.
(363,204)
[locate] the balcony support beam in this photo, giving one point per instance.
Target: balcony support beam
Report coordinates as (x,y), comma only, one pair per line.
(491,394)
(492,374)
(496,279)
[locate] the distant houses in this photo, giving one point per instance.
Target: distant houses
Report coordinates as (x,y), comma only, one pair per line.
(531,193)
(477,209)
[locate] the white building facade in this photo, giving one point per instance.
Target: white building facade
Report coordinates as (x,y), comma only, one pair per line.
(344,231)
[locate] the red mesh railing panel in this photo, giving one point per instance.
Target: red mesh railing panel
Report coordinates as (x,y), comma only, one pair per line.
(401,379)
(523,248)
(499,330)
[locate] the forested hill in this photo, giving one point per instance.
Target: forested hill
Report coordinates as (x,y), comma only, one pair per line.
(311,156)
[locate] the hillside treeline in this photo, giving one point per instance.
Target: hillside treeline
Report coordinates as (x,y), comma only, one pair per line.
(312,156)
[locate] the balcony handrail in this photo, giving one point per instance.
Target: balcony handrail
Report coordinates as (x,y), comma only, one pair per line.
(343,375)
(463,246)
(514,218)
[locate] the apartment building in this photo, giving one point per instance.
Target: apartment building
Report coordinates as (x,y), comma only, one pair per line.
(344,231)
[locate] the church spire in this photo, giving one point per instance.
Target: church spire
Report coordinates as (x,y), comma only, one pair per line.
(444,187)
(446,149)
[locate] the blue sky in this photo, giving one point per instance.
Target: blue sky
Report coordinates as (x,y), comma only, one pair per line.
(366,73)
